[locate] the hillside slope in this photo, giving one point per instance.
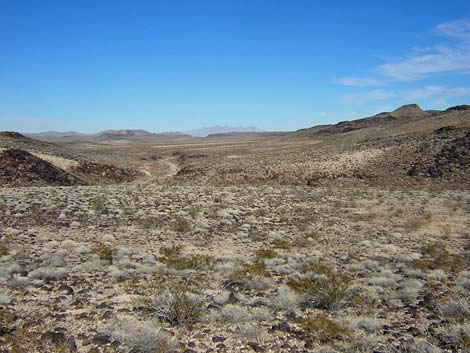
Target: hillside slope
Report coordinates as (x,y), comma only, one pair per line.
(25,161)
(405,147)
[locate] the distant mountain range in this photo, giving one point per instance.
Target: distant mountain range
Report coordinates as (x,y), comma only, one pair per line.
(57,136)
(206,131)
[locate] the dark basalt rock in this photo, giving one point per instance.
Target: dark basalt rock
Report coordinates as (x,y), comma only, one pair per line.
(21,168)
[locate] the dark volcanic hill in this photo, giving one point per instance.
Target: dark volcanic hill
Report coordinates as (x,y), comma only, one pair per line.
(25,161)
(21,168)
(401,115)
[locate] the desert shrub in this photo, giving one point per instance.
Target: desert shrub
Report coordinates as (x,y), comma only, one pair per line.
(412,224)
(171,256)
(149,223)
(4,299)
(117,274)
(282,244)
(48,273)
(322,328)
(105,252)
(363,345)
(258,235)
(173,250)
(455,308)
(181,225)
(3,249)
(327,288)
(419,345)
(408,290)
(18,281)
(266,254)
(252,331)
(247,272)
(176,305)
(286,299)
(108,239)
(144,337)
(458,337)
(233,313)
(363,323)
(221,297)
(436,256)
(98,204)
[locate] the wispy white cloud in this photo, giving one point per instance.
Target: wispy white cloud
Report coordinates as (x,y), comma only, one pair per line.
(435,92)
(368,96)
(360,81)
(424,62)
(422,66)
(458,29)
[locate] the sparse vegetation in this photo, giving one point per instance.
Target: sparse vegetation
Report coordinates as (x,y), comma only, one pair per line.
(322,328)
(105,252)
(266,254)
(172,256)
(299,245)
(145,337)
(181,225)
(176,305)
(249,271)
(3,249)
(326,287)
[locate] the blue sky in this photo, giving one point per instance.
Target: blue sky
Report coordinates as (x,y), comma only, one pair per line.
(179,65)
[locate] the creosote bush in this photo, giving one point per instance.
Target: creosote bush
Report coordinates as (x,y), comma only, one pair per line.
(436,256)
(98,204)
(266,254)
(181,225)
(105,252)
(282,244)
(248,271)
(322,328)
(171,256)
(3,249)
(326,287)
(258,235)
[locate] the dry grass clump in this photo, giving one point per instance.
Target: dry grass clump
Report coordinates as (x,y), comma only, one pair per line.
(235,313)
(4,300)
(176,304)
(455,311)
(286,299)
(142,336)
(324,286)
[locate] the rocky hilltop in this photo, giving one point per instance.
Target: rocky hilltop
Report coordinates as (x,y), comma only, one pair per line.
(19,168)
(26,162)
